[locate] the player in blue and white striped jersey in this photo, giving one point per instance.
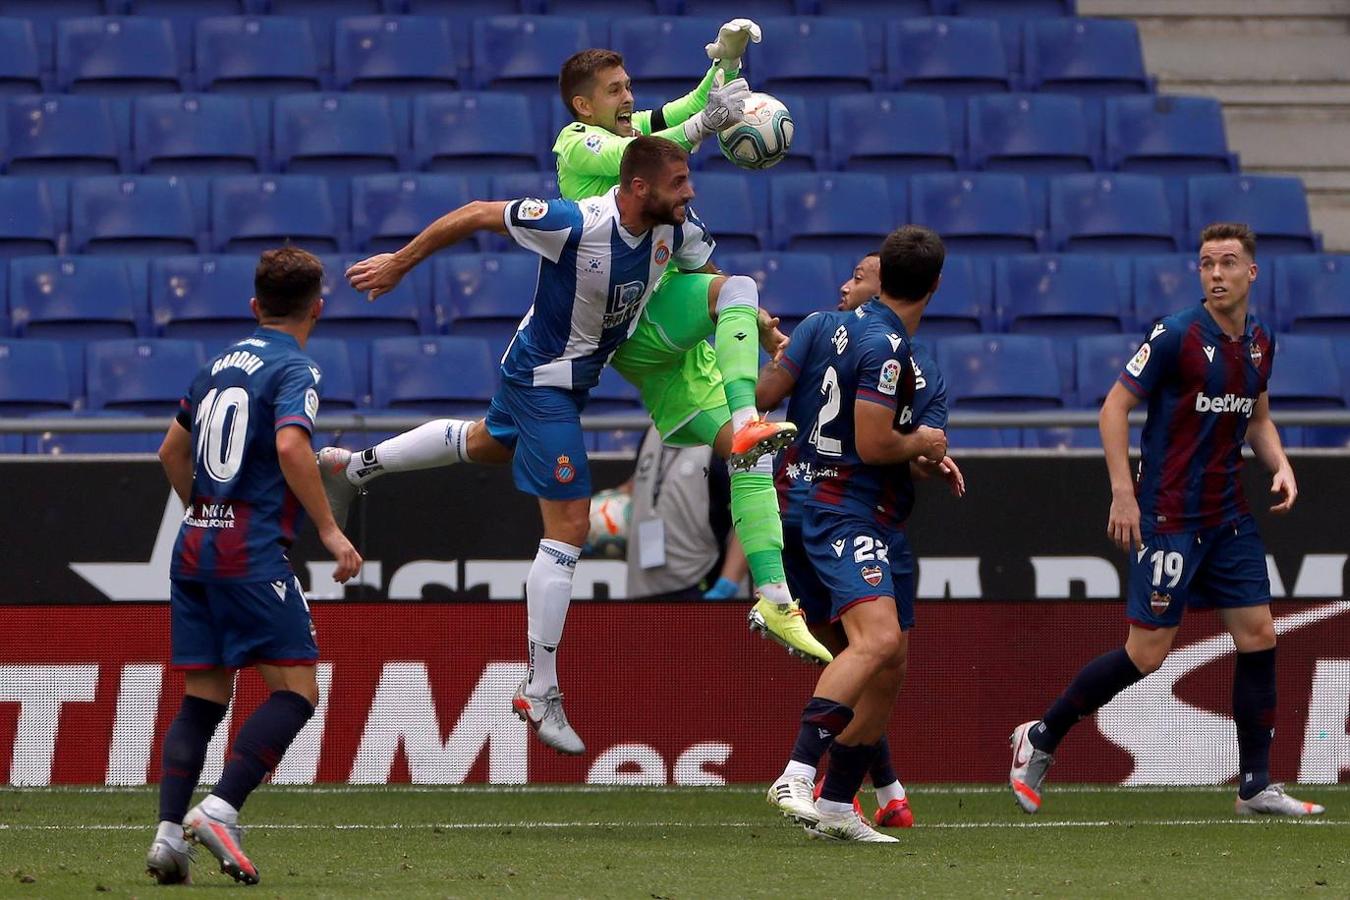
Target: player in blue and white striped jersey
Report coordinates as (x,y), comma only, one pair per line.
(600,260)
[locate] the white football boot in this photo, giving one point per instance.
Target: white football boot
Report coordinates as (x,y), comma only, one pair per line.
(793,796)
(1029,766)
(545,715)
(224,840)
(1273,801)
(169,861)
(333,474)
(846,827)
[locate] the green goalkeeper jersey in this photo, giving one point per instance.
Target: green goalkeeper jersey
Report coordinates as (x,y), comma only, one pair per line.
(588,155)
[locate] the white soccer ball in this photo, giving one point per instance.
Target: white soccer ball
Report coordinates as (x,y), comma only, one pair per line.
(763,138)
(610,514)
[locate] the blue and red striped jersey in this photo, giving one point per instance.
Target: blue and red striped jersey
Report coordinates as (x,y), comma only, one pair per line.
(1201,388)
(243,516)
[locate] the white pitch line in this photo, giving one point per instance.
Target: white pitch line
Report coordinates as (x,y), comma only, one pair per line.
(394,789)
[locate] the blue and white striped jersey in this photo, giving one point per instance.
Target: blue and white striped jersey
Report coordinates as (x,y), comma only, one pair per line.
(594,279)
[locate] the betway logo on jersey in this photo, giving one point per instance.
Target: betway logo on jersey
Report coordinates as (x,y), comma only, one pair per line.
(1226,403)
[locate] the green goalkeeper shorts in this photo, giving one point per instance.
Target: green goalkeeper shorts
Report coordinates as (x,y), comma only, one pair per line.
(669,360)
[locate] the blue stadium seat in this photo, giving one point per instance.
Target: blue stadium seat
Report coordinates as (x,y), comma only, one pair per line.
(663,55)
(1088,57)
(33,378)
(143,214)
(802,56)
(66,443)
(338,387)
(256,55)
(964,301)
(32,223)
(759,10)
(524,53)
(183,16)
(805,153)
(74,298)
(20,65)
(953,57)
(1000,372)
(44,14)
(389,210)
(1274,206)
(1063,295)
(613,395)
(117,55)
(1164,284)
(1100,359)
(323,14)
(543,185)
(195,134)
(1312,294)
(1105,213)
(892,133)
(441,375)
(830,213)
(252,213)
(791,285)
(1021,8)
(1167,135)
(734,215)
(874,18)
(984,212)
(334,134)
(140,376)
(202,298)
(484,295)
(1306,374)
(61,135)
(473,132)
(1035,134)
(395,55)
(348,314)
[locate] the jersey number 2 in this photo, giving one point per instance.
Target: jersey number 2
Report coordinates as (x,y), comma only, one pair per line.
(221,451)
(829,411)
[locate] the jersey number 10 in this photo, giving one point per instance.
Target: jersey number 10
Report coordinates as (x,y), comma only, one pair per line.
(222,423)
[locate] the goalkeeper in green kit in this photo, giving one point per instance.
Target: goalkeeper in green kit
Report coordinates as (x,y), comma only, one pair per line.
(696,395)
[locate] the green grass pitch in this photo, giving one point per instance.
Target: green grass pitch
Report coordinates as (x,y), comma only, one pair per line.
(657,843)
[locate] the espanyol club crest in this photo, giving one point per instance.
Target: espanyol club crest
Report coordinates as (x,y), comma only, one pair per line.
(1159,602)
(564,471)
(661,255)
(871,575)
(1254,350)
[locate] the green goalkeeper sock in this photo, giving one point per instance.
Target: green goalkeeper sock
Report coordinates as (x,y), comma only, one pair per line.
(738,350)
(754,510)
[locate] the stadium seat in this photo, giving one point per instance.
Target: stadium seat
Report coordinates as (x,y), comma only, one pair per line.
(472,132)
(252,213)
(195,134)
(892,133)
(1167,135)
(258,56)
(144,214)
(848,212)
(806,56)
(983,212)
(202,298)
(1000,372)
(334,134)
(61,135)
(484,295)
(395,55)
(441,375)
(1274,206)
(1306,374)
(524,53)
(1164,284)
(1100,359)
(44,14)
(1105,213)
(140,376)
(726,204)
(348,314)
(1019,8)
(323,14)
(613,395)
(389,210)
(663,55)
(117,55)
(20,65)
(33,378)
(948,56)
(759,10)
(964,302)
(338,388)
(33,222)
(1312,294)
(1088,57)
(183,16)
(791,285)
(1035,134)
(1063,295)
(74,298)
(543,185)
(874,18)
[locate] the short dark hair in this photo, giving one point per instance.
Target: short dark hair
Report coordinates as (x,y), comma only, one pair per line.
(645,157)
(579,71)
(911,261)
(1238,231)
(287,281)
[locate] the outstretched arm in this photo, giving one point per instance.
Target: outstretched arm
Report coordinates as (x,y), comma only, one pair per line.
(381,273)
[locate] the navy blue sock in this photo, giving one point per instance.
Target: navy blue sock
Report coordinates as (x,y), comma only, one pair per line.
(1254,714)
(1091,689)
(261,744)
(848,766)
(183,754)
(821,720)
(882,772)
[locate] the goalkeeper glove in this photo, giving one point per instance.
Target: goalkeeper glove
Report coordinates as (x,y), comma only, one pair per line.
(731,42)
(725,107)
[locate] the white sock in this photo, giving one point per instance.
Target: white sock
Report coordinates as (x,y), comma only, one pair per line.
(217,808)
(799,768)
(440,442)
(775,592)
(834,808)
(888,792)
(170,831)
(548,594)
(740,416)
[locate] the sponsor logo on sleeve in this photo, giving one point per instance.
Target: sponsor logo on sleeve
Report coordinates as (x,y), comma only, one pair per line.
(1136,365)
(593,143)
(311,403)
(530,210)
(890,377)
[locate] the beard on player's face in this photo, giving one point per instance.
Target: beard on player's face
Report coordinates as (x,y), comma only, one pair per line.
(665,209)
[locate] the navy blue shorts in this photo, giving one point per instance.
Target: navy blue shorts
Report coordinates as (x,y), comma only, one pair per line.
(1222,567)
(543,426)
(238,624)
(853,560)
